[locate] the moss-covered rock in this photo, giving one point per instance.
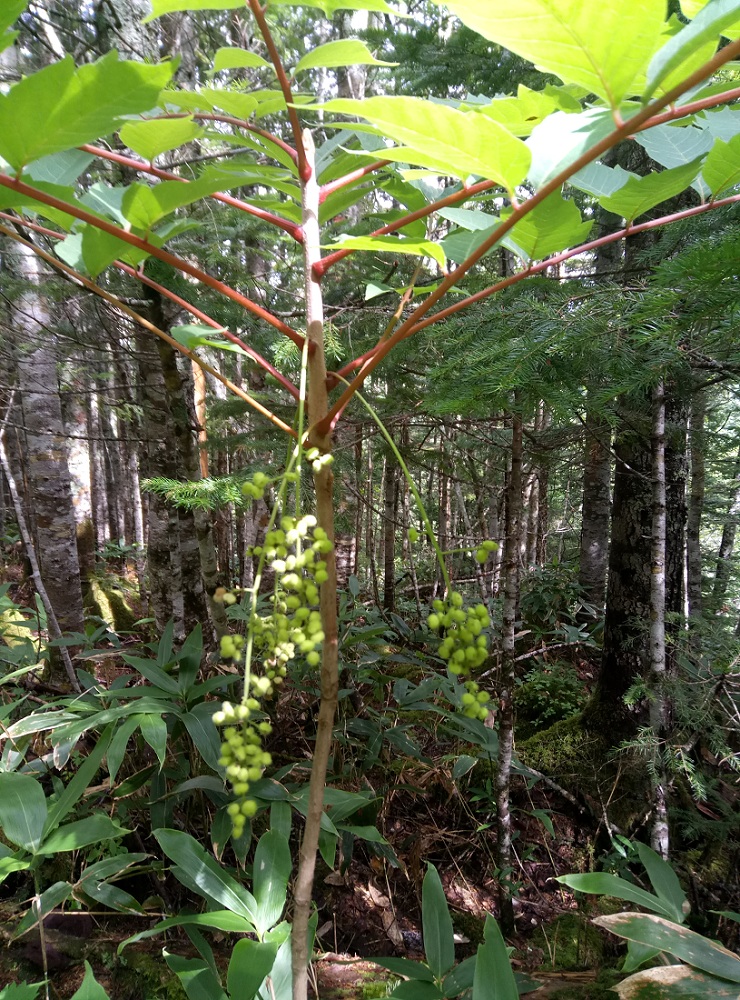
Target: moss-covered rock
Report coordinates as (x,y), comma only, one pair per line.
(108,601)
(585,762)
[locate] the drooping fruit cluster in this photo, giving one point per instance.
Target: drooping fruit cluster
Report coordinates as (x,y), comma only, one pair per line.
(295,551)
(242,754)
(464,646)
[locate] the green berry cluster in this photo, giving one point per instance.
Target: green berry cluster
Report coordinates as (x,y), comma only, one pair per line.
(242,754)
(484,550)
(464,646)
(296,552)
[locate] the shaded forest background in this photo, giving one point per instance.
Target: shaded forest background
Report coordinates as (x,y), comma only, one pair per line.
(535,408)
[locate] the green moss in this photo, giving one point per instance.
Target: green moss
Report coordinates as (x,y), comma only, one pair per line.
(470,926)
(571,942)
(139,974)
(584,761)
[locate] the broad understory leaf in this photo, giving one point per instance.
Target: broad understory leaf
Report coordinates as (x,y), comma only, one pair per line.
(672,938)
(405,967)
(22,810)
(605,884)
(640,194)
(270,874)
(707,26)
(61,106)
(494,978)
(672,982)
(664,881)
(344,52)
(205,874)
(451,141)
(49,900)
(250,962)
(90,988)
(196,977)
(218,920)
(73,836)
(602,47)
(439,940)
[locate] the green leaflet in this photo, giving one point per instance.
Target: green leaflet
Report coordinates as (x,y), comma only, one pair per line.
(553,225)
(451,141)
(722,167)
(158,135)
(230,57)
(60,106)
(692,7)
(705,27)
(600,46)
(640,194)
(160,7)
(522,113)
(344,52)
(12,10)
(330,7)
(561,138)
(392,244)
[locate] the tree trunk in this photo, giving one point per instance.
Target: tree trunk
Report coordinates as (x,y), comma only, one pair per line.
(659,835)
(595,515)
(723,566)
(390,495)
(696,505)
(45,447)
(508,677)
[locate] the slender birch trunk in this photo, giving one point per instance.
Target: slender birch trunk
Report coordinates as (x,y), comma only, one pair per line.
(508,677)
(658,710)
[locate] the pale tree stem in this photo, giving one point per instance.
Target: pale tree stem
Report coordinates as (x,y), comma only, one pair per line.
(658,707)
(51,619)
(317,409)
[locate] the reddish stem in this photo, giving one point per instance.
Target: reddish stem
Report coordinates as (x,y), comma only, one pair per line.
(205,318)
(412,323)
(355,175)
(679,112)
(258,11)
(148,168)
(214,116)
(158,252)
(467,191)
(542,265)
